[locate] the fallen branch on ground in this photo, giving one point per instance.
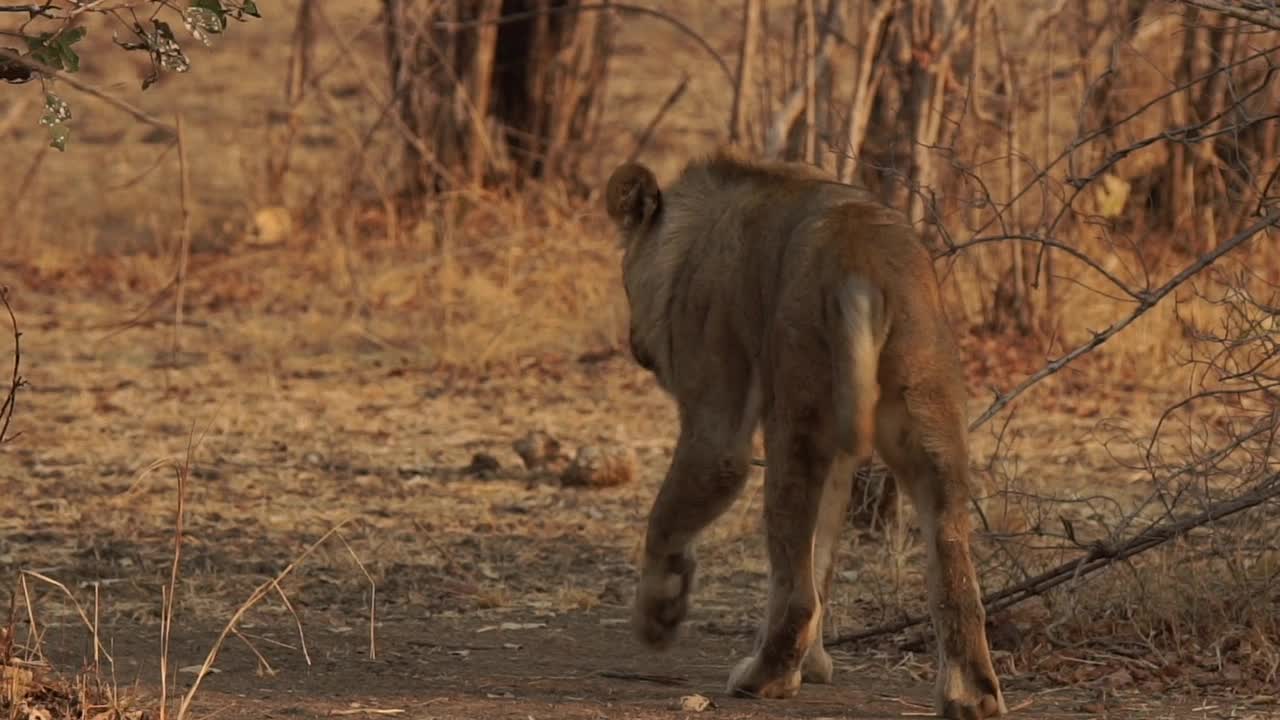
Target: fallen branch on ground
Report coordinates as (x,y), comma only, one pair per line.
(1100,556)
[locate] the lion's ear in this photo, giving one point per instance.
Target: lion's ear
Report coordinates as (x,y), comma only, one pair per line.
(633,198)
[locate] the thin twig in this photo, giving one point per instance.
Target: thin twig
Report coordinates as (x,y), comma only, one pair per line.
(302,636)
(667,104)
(254,598)
(84,617)
(1269,20)
(168,594)
(184,250)
(746,64)
(373,598)
(262,659)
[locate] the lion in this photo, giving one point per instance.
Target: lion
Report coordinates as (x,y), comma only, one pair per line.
(767,293)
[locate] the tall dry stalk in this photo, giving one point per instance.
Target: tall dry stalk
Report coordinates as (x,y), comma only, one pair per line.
(742,90)
(810,82)
(168,593)
(184,248)
(865,81)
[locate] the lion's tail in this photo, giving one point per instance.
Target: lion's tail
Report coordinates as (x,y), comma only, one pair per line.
(857,336)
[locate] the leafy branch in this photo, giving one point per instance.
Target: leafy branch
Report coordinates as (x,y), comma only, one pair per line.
(50,34)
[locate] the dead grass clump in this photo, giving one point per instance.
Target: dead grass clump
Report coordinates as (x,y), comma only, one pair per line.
(33,692)
(30,687)
(477,280)
(1185,619)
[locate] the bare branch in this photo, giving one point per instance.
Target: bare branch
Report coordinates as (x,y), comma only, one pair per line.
(1148,301)
(672,99)
(776,136)
(1263,18)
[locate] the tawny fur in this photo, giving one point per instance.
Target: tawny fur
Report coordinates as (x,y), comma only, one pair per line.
(767,293)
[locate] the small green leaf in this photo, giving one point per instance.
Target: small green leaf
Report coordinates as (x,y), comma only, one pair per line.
(42,52)
(35,43)
(202,11)
(58,136)
(55,51)
(70,60)
(249,7)
(56,110)
(72,36)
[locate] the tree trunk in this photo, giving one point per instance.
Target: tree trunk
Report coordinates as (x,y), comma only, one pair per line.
(495,92)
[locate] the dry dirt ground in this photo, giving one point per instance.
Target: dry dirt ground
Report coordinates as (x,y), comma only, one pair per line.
(498,594)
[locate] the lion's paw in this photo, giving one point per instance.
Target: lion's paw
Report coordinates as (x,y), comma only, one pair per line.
(817,666)
(662,601)
(972,695)
(749,679)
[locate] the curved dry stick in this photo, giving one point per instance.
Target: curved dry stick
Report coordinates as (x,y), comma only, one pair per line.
(15,381)
(261,591)
(1044,241)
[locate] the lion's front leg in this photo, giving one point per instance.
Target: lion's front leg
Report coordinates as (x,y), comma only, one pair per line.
(706,475)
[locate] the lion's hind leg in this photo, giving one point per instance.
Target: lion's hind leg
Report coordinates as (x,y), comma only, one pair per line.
(921,437)
(817,666)
(795,478)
